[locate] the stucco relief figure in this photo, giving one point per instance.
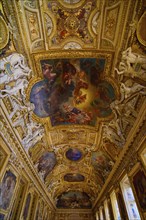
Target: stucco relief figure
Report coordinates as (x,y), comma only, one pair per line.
(13,67)
(116,107)
(31,127)
(30,109)
(128,90)
(125,112)
(32,141)
(23,114)
(122,68)
(19,87)
(42,174)
(116,125)
(133,58)
(17,107)
(132,64)
(129,109)
(33,132)
(20,122)
(110,133)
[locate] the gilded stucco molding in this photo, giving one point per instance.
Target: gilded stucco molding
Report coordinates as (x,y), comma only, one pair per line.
(85,138)
(140,26)
(21,159)
(134,138)
(126,40)
(11,12)
(126,19)
(4,33)
(77,4)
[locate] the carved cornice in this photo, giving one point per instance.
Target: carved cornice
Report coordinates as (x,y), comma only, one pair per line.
(20,157)
(127,154)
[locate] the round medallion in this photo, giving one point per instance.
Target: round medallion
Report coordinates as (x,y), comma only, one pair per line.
(141,30)
(72,24)
(73,154)
(4,33)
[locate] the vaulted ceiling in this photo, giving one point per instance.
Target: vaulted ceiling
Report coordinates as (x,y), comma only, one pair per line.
(80,108)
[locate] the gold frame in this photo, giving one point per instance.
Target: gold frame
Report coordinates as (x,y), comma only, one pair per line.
(7,211)
(142,152)
(17,193)
(142,41)
(4,33)
(72,54)
(4,156)
(134,171)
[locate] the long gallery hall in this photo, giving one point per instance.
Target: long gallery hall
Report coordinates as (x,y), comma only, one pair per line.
(72,109)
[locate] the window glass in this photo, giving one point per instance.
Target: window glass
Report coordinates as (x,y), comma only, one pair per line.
(129,199)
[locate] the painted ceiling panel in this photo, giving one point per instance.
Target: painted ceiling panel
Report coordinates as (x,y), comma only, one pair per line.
(74,199)
(72,91)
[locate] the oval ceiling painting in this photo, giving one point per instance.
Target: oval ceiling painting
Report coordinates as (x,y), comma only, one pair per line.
(74,177)
(73,199)
(72,91)
(73,154)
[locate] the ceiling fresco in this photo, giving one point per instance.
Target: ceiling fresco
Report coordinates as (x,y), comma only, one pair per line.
(73,91)
(74,177)
(46,164)
(73,199)
(102,164)
(72,80)
(72,22)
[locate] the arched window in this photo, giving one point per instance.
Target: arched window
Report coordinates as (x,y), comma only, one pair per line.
(129,199)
